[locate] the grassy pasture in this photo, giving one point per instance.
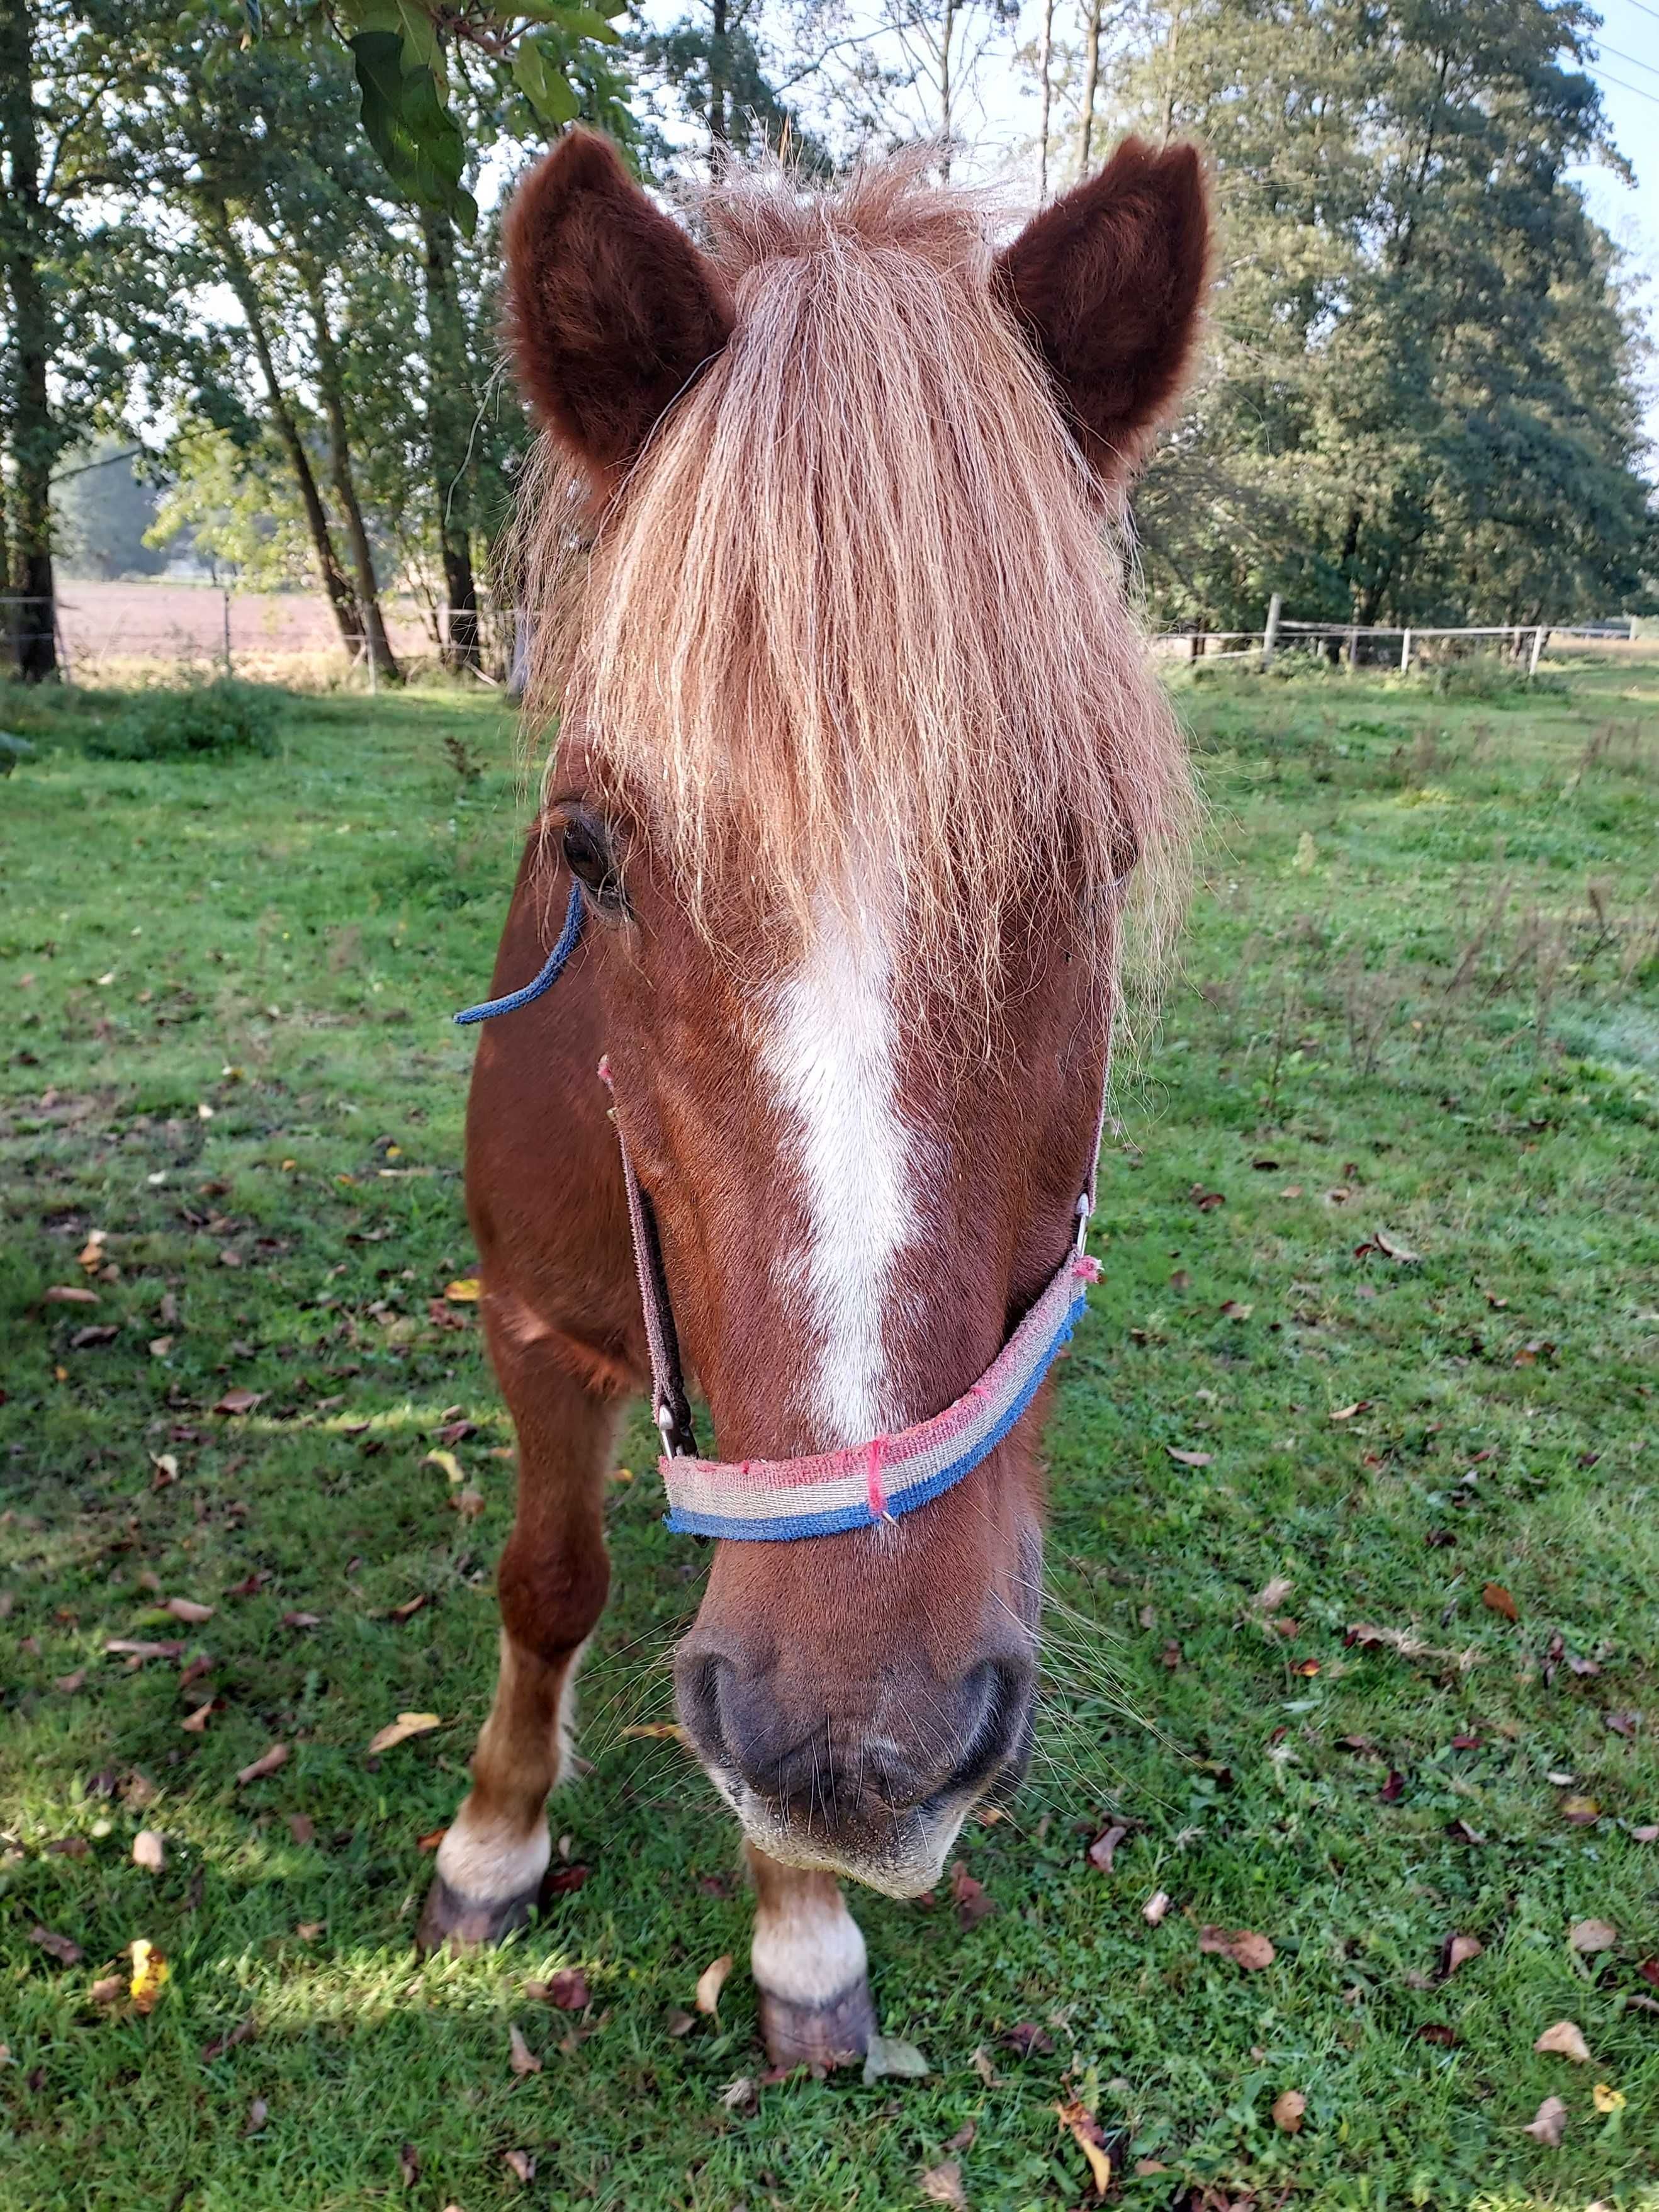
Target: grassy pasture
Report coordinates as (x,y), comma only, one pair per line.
(1420,1010)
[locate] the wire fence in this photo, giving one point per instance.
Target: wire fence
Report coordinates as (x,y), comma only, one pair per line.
(118,634)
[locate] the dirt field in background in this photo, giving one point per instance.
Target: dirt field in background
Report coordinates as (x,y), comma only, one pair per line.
(184,622)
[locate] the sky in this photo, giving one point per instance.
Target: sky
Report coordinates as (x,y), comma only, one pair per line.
(1627,70)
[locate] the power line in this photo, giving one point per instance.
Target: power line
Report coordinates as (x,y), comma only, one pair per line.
(1640,92)
(1645,9)
(1635,60)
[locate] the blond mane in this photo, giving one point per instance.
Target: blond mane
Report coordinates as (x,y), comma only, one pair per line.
(853,618)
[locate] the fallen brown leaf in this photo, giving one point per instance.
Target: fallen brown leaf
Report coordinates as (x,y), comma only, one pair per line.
(1155,1907)
(568,1990)
(64,1948)
(942,2185)
(741,2096)
(238,1401)
(108,1989)
(149,1851)
(244,2031)
(1085,2132)
(518,2163)
(302,1827)
(1589,1936)
(1456,1951)
(399,1731)
(69,1684)
(135,1652)
(257,2113)
(409,2165)
(197,1721)
(520,2057)
(1497,1599)
(1189,1458)
(1549,2124)
(1564,2040)
(1242,1946)
(267,1762)
(712,1981)
(1103,1849)
(1289,2107)
(973,1901)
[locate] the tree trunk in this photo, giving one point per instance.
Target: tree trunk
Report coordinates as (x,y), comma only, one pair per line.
(717,67)
(947,32)
(1046,64)
(36,440)
(331,386)
(449,423)
(1090,84)
(336,582)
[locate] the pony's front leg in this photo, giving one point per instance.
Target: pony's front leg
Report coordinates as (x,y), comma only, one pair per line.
(810,1969)
(552,1583)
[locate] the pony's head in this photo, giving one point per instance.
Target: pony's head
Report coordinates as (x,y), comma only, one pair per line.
(856,749)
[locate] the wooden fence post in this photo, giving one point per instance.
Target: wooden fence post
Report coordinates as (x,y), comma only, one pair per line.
(1405,651)
(1537,652)
(1270,636)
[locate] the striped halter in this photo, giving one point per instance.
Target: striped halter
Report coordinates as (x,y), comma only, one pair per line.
(825,1493)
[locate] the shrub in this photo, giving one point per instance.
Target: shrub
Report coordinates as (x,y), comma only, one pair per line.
(194,722)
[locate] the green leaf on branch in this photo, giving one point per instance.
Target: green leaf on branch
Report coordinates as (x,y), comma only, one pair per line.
(538,72)
(576,18)
(417,139)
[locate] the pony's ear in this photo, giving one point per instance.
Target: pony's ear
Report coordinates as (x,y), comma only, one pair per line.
(612,308)
(1107,284)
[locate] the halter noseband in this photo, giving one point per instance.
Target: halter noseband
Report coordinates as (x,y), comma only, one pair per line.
(825,1492)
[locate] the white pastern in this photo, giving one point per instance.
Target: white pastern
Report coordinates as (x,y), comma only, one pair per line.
(807,1948)
(831,1049)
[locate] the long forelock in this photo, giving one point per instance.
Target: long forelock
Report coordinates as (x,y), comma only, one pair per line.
(853,618)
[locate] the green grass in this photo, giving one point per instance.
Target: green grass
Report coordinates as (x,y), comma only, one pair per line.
(225,987)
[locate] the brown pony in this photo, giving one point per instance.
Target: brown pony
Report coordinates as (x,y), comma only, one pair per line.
(855,745)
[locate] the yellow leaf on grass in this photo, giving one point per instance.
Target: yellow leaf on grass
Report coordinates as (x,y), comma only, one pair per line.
(1085,2131)
(712,1981)
(446,1463)
(1607,2100)
(464,1291)
(151,1976)
(398,1731)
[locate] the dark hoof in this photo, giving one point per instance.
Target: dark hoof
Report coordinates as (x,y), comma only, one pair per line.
(467,1923)
(833,2034)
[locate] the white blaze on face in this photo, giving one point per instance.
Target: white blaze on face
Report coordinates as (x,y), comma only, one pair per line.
(830,1048)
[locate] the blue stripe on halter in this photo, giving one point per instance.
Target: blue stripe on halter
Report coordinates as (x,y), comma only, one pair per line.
(842,1518)
(551,973)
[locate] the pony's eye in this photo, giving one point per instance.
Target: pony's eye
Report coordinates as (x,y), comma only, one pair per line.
(588,855)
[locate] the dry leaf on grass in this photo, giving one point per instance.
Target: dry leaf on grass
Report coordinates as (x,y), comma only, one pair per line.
(267,1762)
(148,1850)
(568,1990)
(1548,2123)
(1497,1599)
(302,1827)
(257,2113)
(521,2058)
(197,1722)
(1189,1458)
(890,2058)
(1085,2132)
(1290,2106)
(712,1981)
(1564,2040)
(399,1731)
(64,1948)
(1103,1849)
(463,1291)
(519,2163)
(1589,1936)
(187,1608)
(1272,1594)
(71,1294)
(972,1900)
(448,1465)
(108,1989)
(69,1684)
(151,1976)
(1155,1907)
(942,2185)
(1245,1947)
(1606,2098)
(1456,1951)
(238,1401)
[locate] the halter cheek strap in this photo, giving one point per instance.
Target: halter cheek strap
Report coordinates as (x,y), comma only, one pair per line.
(825,1493)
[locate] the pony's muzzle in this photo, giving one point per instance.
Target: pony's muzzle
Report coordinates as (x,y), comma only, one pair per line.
(873,1780)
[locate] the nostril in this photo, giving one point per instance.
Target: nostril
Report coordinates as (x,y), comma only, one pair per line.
(697,1686)
(993,1706)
